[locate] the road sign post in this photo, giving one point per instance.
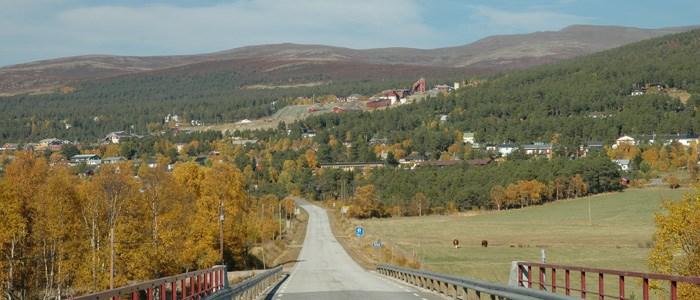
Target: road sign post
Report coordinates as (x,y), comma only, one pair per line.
(359,231)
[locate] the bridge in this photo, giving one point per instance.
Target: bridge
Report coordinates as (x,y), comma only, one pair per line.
(325,271)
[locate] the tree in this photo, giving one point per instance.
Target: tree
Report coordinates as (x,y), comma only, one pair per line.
(365,203)
(113,187)
(420,203)
(676,248)
(498,196)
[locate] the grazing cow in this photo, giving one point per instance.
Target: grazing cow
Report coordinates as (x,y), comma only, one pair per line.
(484,243)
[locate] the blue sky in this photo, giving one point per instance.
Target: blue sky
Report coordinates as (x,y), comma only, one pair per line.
(41,29)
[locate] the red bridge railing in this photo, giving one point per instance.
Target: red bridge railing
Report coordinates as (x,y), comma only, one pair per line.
(549,281)
(187,286)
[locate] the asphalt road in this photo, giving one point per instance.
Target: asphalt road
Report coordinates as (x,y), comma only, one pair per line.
(326,271)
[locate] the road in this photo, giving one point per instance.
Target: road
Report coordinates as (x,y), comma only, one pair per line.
(326,271)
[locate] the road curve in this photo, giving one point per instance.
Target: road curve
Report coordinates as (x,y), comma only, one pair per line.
(326,271)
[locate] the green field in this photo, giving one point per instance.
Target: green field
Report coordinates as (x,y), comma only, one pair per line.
(619,237)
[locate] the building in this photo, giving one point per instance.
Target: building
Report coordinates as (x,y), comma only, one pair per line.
(468,137)
(51,144)
(351,166)
(625,140)
(624,164)
(113,160)
(590,147)
(667,139)
(412,160)
(9,147)
(538,149)
(88,159)
(118,137)
(506,149)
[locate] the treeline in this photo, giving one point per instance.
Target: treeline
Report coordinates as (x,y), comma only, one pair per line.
(569,103)
(399,192)
(64,235)
(467,187)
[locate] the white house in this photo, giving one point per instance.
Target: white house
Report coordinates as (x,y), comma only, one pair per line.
(625,140)
(88,159)
(624,164)
(468,137)
(506,149)
(118,137)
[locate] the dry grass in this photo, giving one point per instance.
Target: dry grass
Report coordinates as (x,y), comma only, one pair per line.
(618,238)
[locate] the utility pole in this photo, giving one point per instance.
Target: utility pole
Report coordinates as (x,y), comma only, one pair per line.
(221,231)
(590,219)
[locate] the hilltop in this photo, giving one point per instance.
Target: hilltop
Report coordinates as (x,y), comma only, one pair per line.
(491,54)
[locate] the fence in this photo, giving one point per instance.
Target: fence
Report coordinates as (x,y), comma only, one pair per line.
(251,288)
(192,285)
(463,288)
(203,284)
(580,286)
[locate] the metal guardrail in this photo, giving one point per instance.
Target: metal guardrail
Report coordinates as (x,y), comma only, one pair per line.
(462,288)
(251,288)
(192,285)
(525,274)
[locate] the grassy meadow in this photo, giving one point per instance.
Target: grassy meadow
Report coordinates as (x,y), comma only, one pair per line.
(619,236)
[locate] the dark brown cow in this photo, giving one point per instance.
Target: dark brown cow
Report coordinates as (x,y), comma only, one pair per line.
(484,243)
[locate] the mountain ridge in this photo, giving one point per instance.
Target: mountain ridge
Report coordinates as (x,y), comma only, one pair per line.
(493,53)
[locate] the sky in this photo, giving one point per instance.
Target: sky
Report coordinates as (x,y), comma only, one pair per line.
(41,29)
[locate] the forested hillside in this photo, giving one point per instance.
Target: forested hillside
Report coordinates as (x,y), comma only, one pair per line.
(569,103)
(212,92)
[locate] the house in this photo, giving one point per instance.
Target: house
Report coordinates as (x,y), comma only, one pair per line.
(9,147)
(667,139)
(625,140)
(412,160)
(468,137)
(51,144)
(506,149)
(590,147)
(351,166)
(113,160)
(624,164)
(88,159)
(538,149)
(118,137)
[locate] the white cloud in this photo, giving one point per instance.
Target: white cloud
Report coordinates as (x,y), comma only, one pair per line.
(171,29)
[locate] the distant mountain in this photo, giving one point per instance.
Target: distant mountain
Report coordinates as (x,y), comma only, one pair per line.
(490,54)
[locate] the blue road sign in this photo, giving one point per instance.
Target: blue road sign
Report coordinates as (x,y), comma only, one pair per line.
(359,231)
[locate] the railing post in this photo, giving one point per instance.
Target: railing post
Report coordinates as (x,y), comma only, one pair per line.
(529,276)
(542,272)
(567,282)
(162,291)
(601,286)
(674,290)
(520,276)
(583,284)
(622,287)
(149,293)
(554,280)
(173,290)
(645,288)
